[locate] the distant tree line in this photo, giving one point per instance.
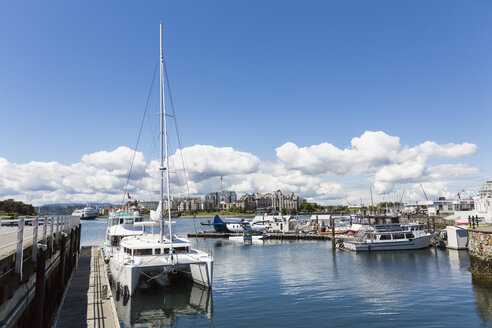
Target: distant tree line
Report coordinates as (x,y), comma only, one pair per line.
(310,207)
(11,207)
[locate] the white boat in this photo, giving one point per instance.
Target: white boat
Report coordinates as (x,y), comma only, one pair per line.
(276,223)
(148,258)
(391,237)
(120,225)
(159,257)
(87,213)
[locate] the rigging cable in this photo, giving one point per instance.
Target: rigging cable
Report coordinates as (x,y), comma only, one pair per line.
(140,132)
(179,138)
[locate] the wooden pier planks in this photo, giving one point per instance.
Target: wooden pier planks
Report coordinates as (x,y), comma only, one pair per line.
(83,305)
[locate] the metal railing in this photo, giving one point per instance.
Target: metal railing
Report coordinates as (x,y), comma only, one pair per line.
(28,228)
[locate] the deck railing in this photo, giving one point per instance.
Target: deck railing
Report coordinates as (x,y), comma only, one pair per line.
(28,228)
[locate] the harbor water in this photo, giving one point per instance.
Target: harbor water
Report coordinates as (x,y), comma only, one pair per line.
(306,283)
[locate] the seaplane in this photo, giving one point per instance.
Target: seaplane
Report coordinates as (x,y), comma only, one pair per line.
(251,230)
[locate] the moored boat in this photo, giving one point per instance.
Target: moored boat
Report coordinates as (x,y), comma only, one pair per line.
(159,257)
(391,237)
(120,225)
(148,258)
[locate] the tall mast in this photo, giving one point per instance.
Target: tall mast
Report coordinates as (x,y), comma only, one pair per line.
(161,116)
(164,149)
(166,144)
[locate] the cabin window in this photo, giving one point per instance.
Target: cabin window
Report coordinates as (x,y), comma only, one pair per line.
(398,236)
(114,241)
(166,250)
(114,222)
(385,237)
(121,221)
(182,250)
(128,221)
(127,250)
(138,219)
(157,251)
(140,252)
(409,235)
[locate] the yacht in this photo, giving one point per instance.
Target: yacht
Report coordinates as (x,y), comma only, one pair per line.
(391,237)
(120,225)
(153,257)
(87,213)
(148,258)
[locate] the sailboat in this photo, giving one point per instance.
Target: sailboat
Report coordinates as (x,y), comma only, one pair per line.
(160,257)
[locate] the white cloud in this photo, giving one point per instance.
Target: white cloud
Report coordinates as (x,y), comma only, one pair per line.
(322,173)
(379,157)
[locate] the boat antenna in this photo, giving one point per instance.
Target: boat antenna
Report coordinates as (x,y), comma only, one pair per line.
(164,147)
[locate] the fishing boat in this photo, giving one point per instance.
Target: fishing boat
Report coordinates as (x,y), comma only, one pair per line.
(390,237)
(159,257)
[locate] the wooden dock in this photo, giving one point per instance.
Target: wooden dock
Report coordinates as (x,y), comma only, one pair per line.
(88,301)
(276,236)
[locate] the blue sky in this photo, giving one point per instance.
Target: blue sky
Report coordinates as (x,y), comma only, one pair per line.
(251,75)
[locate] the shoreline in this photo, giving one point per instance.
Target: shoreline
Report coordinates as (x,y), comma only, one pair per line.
(211,215)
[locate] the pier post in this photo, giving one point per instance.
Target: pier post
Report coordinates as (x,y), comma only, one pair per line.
(78,238)
(40,287)
(52,234)
(61,269)
(20,247)
(332,223)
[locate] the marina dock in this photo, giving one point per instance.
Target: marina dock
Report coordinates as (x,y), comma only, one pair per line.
(273,235)
(47,280)
(88,300)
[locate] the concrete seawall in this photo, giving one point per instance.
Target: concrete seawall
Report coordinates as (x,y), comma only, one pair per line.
(480,249)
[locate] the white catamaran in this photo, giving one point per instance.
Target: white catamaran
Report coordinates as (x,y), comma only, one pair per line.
(159,257)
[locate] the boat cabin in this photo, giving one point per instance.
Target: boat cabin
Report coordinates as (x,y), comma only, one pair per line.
(124,218)
(155,250)
(150,245)
(389,236)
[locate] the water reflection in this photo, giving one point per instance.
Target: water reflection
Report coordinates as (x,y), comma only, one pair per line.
(458,259)
(483,300)
(163,305)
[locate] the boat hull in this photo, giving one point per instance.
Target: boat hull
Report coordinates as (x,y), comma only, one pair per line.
(129,275)
(416,243)
(88,217)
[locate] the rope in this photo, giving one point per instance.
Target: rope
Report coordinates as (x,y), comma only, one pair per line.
(179,139)
(139,133)
(156,276)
